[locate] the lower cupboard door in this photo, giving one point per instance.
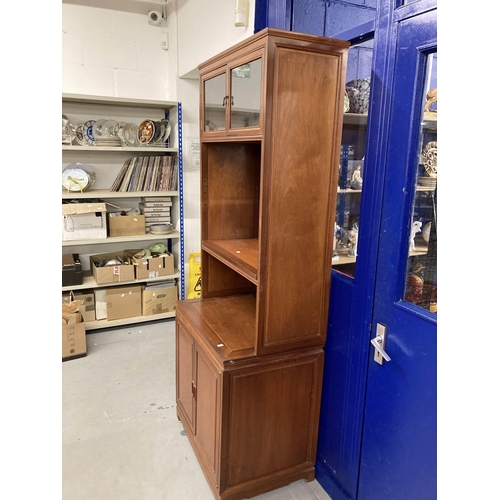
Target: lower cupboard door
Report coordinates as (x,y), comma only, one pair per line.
(208,393)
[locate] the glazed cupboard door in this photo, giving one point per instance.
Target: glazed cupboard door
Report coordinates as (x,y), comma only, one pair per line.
(398,454)
(231,97)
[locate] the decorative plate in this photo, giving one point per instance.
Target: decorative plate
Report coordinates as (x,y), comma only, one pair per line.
(147,131)
(430,158)
(166,133)
(97,128)
(68,130)
(80,139)
(108,128)
(120,132)
(87,132)
(78,177)
(131,134)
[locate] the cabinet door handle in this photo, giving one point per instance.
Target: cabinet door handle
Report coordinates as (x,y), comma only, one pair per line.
(224,100)
(193,390)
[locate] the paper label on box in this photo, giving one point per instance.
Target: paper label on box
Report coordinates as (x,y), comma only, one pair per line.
(154,274)
(116,270)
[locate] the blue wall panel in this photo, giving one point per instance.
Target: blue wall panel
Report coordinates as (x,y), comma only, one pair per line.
(335,452)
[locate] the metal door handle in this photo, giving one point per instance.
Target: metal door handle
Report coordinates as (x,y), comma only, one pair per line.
(379,343)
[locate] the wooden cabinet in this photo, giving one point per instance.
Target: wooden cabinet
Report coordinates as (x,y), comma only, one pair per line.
(252,422)
(253,342)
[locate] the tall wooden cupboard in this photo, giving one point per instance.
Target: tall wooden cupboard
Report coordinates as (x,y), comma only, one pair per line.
(249,352)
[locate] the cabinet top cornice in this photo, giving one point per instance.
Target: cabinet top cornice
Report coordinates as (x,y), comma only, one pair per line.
(273,32)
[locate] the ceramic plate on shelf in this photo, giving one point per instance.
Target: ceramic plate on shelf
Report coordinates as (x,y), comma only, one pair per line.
(109,128)
(120,132)
(97,128)
(88,132)
(68,130)
(130,134)
(429,158)
(166,133)
(147,131)
(80,139)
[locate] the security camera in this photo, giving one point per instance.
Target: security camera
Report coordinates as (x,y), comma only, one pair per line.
(155,17)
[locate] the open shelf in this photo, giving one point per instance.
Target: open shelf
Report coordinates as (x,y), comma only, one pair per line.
(88,281)
(105,193)
(124,149)
(121,239)
(104,323)
(241,255)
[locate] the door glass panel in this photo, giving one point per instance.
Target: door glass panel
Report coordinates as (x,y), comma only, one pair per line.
(245,95)
(215,92)
(421,271)
(352,157)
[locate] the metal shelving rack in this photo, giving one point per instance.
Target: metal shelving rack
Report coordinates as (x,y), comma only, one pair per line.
(178,233)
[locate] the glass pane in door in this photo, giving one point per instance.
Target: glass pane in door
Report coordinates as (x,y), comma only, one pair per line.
(352,157)
(215,100)
(245,94)
(421,272)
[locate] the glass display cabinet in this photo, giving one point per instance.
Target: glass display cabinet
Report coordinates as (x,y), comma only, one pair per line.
(421,272)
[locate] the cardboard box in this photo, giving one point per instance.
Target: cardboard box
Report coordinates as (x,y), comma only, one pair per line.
(155,267)
(112,274)
(124,302)
(159,301)
(74,342)
(126,225)
(101,311)
(71,270)
(84,221)
(87,309)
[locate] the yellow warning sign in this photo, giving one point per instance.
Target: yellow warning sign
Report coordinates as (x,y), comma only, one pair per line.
(194,277)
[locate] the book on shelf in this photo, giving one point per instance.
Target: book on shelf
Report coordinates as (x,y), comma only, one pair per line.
(130,172)
(155,199)
(121,175)
(146,173)
(156,204)
(155,220)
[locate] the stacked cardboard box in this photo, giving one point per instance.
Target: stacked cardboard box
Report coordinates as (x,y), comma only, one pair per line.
(159,298)
(156,210)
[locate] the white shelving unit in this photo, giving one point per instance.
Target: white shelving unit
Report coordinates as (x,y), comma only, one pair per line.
(107,161)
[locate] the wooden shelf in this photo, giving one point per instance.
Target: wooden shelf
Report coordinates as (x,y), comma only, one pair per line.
(88,281)
(355,118)
(343,259)
(122,239)
(103,323)
(348,191)
(240,255)
(104,193)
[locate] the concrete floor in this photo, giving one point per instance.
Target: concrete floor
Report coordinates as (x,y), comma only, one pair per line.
(121,439)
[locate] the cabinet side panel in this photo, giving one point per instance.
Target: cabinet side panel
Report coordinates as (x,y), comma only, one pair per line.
(272,423)
(303,177)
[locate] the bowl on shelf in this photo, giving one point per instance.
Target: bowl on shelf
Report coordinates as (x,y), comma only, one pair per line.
(359,95)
